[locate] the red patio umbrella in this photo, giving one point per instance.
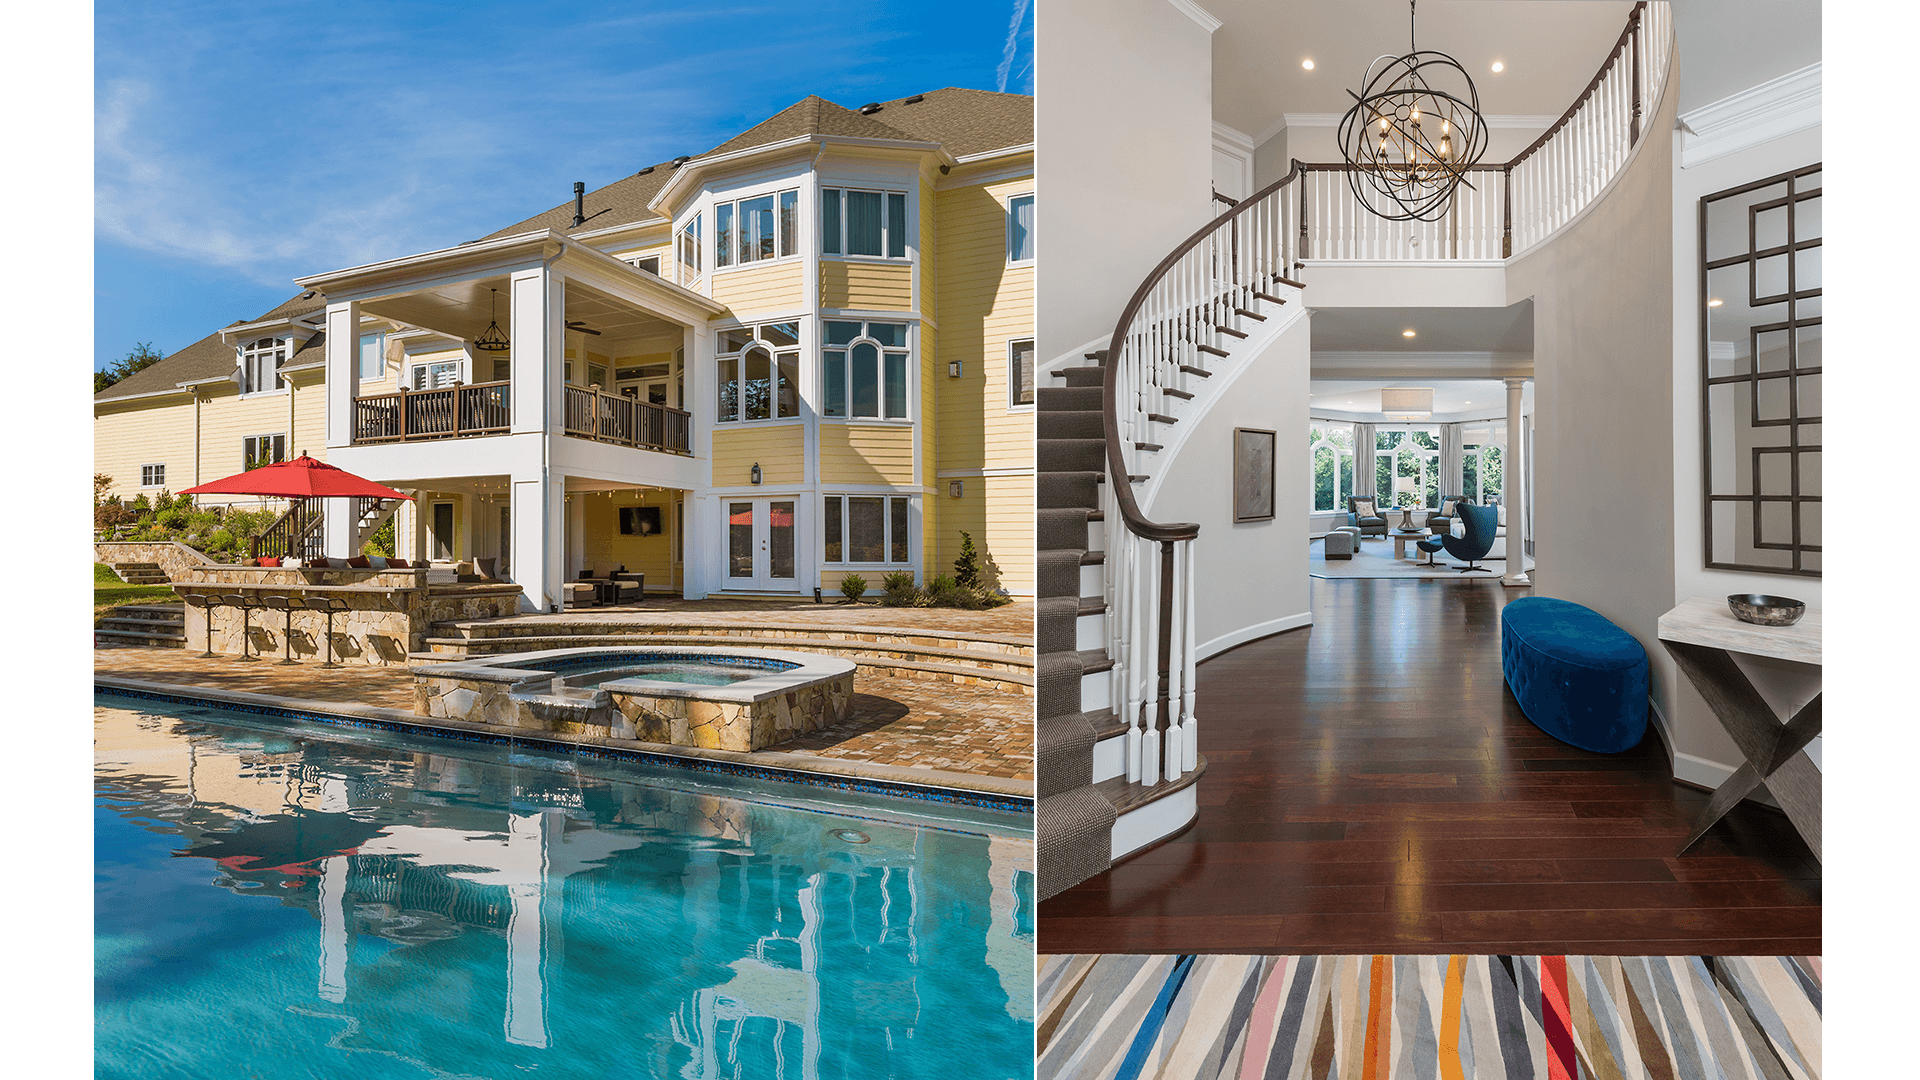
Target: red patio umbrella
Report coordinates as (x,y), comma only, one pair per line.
(301,478)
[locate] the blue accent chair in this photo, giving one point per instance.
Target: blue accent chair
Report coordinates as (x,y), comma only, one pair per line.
(1430,545)
(1482,524)
(1577,676)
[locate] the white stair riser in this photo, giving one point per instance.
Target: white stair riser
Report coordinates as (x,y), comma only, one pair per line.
(1162,817)
(1093,580)
(1109,758)
(1090,632)
(1094,692)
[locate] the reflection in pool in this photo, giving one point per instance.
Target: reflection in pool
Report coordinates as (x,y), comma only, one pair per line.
(283,900)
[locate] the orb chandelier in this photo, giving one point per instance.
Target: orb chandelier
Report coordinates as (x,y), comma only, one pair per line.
(1414,131)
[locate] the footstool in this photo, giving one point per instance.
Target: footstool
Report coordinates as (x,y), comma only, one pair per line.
(1342,542)
(1576,675)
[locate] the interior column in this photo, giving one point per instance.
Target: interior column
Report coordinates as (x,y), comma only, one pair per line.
(1513,487)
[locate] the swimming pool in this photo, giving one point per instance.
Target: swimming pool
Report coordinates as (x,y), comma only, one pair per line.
(281,899)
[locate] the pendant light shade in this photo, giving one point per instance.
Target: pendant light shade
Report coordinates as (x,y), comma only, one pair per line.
(1406,402)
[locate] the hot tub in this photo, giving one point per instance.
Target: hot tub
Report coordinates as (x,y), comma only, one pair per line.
(716,698)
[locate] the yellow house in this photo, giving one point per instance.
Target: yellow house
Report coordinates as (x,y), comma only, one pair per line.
(803,354)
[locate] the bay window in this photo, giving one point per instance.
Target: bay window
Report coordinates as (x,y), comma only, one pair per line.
(855,222)
(756,229)
(865,370)
(689,249)
(865,529)
(759,372)
(1330,452)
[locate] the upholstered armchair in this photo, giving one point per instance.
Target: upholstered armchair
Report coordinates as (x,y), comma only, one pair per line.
(1441,520)
(1480,523)
(1372,523)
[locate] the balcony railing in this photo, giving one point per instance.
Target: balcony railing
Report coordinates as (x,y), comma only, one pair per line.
(454,412)
(616,418)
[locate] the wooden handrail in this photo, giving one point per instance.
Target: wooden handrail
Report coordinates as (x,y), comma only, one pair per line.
(1613,56)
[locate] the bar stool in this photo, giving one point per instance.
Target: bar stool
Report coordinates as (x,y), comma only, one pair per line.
(206,603)
(330,605)
(247,606)
(289,605)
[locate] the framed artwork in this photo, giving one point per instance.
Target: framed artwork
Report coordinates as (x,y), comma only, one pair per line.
(640,521)
(1252,474)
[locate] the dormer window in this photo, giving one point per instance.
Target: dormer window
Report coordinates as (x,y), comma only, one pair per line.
(689,248)
(856,222)
(755,230)
(260,365)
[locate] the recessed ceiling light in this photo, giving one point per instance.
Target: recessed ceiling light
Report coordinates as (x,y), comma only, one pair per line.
(1713,303)
(1406,333)
(1498,67)
(1308,64)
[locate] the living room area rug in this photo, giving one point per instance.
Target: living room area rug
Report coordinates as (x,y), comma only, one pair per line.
(1375,559)
(1130,1017)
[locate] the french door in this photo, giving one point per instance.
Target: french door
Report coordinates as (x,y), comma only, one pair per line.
(760,545)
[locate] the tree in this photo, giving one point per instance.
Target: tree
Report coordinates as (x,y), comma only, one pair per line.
(143,356)
(966,568)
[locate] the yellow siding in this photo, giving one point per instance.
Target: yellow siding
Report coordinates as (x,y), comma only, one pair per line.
(866,286)
(607,549)
(984,303)
(760,288)
(929,255)
(998,512)
(128,436)
(780,450)
(865,454)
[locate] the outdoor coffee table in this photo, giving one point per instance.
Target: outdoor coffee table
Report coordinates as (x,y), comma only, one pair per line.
(1401,538)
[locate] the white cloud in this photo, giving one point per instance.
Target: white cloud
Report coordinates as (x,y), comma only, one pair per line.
(1012,47)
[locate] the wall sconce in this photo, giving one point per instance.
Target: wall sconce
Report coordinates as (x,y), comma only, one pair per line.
(756,472)
(953,370)
(956,488)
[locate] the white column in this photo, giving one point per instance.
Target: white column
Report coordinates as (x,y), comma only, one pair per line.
(576,550)
(530,840)
(537,307)
(1513,487)
(539,512)
(415,519)
(343,371)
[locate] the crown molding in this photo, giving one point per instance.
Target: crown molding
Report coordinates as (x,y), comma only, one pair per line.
(1768,111)
(1197,13)
(1233,137)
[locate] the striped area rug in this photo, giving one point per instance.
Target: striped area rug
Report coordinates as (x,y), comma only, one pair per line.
(1428,1017)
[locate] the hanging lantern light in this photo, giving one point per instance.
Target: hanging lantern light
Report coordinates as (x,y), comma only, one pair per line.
(492,340)
(1402,165)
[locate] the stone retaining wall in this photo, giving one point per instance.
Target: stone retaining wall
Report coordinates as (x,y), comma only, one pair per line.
(389,614)
(171,556)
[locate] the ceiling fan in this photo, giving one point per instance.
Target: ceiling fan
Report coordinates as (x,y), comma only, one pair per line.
(575,324)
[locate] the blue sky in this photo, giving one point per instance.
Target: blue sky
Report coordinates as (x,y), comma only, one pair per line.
(238,145)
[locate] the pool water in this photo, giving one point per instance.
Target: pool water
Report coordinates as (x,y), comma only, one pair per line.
(276,899)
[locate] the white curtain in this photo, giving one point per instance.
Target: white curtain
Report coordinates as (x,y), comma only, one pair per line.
(1452,461)
(1363,466)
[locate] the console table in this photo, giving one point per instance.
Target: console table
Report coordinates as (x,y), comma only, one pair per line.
(1702,635)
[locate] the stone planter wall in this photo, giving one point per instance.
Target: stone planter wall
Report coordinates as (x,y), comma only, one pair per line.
(741,726)
(171,556)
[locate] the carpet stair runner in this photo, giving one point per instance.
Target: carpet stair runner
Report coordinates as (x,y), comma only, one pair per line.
(1073,825)
(162,626)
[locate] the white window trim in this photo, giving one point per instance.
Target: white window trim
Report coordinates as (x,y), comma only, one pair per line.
(1033,233)
(695,226)
(886,519)
(773,351)
(735,201)
(1430,463)
(285,450)
(912,348)
(460,371)
(283,346)
(909,250)
(1350,452)
(380,347)
(1012,385)
(162,466)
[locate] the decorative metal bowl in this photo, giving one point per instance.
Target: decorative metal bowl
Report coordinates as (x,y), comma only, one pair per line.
(1764,610)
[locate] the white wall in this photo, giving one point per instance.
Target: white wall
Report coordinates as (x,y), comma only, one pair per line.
(1603,492)
(1125,146)
(1252,576)
(1704,754)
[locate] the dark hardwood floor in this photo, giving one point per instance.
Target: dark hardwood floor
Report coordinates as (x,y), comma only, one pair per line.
(1373,787)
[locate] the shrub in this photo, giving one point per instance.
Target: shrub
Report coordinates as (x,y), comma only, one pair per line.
(141,504)
(853,586)
(899,589)
(940,591)
(171,518)
(110,513)
(982,597)
(221,540)
(248,523)
(381,542)
(966,568)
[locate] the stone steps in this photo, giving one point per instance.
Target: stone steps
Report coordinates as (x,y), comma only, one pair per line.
(162,626)
(141,573)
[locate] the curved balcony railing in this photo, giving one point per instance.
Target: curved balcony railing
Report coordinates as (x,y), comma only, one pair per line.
(1188,311)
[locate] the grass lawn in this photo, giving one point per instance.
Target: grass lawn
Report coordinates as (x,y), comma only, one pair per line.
(110,592)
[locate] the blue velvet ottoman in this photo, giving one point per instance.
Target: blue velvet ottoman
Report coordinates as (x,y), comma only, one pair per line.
(1577,676)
